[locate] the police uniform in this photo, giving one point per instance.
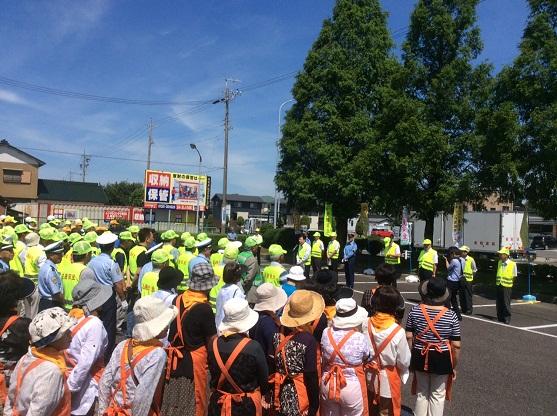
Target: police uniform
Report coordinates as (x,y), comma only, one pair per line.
(50,284)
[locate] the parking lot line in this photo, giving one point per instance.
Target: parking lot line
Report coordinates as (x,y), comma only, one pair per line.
(493,304)
(539,326)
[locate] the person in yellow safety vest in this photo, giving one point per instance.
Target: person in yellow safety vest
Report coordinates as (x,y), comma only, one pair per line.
(303,255)
(506,273)
(47,235)
(17,263)
(148,284)
(62,236)
(120,254)
(145,237)
(72,239)
(391,251)
(35,257)
(134,230)
(470,270)
(230,255)
(333,252)
(184,262)
(427,261)
(183,237)
(91,238)
(274,273)
(317,249)
(216,257)
(71,272)
(169,239)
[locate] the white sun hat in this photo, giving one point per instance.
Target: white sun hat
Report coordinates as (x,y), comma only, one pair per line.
(152,316)
(238,317)
(348,314)
(296,274)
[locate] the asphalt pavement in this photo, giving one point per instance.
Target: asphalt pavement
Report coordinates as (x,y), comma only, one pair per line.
(504,369)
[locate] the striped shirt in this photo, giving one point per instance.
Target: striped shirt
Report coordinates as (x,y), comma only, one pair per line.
(448,327)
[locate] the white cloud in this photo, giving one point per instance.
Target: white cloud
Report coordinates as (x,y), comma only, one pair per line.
(11,97)
(71,17)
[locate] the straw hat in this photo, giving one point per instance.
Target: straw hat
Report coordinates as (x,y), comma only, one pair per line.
(238,317)
(303,306)
(348,314)
(269,298)
(152,316)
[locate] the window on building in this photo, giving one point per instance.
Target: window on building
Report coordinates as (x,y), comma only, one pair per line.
(238,204)
(505,207)
(253,205)
(16,176)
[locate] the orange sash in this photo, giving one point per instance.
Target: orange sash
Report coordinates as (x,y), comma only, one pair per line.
(279,379)
(64,408)
(97,369)
(436,346)
(375,366)
(3,387)
(227,398)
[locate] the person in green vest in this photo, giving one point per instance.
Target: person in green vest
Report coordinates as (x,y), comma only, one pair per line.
(145,237)
(72,239)
(184,262)
(470,270)
(120,254)
(91,238)
(134,230)
(506,274)
(427,261)
(230,255)
(317,249)
(183,237)
(333,252)
(48,236)
(216,257)
(391,252)
(303,255)
(71,272)
(21,230)
(274,273)
(148,284)
(169,239)
(251,276)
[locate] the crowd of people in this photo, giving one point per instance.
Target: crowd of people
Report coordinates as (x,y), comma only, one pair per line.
(214,332)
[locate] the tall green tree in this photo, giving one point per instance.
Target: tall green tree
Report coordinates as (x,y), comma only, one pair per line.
(337,97)
(124,193)
(427,156)
(530,84)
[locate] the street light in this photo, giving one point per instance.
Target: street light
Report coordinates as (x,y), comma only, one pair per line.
(194,147)
(277,200)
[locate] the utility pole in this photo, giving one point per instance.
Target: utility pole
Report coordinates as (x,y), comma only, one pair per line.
(229,95)
(85,159)
(149,144)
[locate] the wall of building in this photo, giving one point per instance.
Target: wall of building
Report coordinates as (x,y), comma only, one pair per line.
(19,190)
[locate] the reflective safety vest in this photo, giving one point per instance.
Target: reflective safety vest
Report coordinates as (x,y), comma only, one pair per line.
(505,275)
(242,258)
(68,257)
(95,251)
(120,250)
(271,274)
(149,283)
(333,249)
(317,249)
(183,266)
(302,252)
(31,262)
(15,263)
(426,259)
(213,294)
(172,252)
(215,258)
(135,251)
(468,271)
(391,251)
(70,274)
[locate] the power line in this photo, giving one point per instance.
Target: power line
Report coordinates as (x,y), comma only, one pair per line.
(90,97)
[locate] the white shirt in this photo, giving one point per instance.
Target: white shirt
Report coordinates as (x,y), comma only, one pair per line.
(166,296)
(227,292)
(148,371)
(87,348)
(41,391)
(396,353)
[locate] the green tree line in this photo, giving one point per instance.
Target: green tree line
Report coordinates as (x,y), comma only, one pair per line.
(425,129)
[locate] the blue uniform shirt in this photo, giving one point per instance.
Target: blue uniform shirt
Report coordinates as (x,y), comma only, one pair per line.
(50,282)
(288,288)
(107,271)
(455,270)
(350,250)
(200,258)
(4,267)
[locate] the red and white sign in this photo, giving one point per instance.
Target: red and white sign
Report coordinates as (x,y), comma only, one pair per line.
(138,215)
(116,214)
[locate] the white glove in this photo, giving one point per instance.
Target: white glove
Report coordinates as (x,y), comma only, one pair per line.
(124,305)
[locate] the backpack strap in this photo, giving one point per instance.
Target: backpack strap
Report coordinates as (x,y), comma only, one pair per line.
(224,368)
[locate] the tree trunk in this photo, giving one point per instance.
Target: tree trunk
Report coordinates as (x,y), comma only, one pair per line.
(428,231)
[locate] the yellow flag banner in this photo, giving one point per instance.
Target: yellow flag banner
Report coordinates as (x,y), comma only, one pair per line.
(328,219)
(458,224)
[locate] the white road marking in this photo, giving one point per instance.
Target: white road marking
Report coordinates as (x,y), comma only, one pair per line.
(539,326)
(493,304)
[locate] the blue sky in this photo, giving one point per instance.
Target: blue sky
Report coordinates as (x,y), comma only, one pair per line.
(174,51)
